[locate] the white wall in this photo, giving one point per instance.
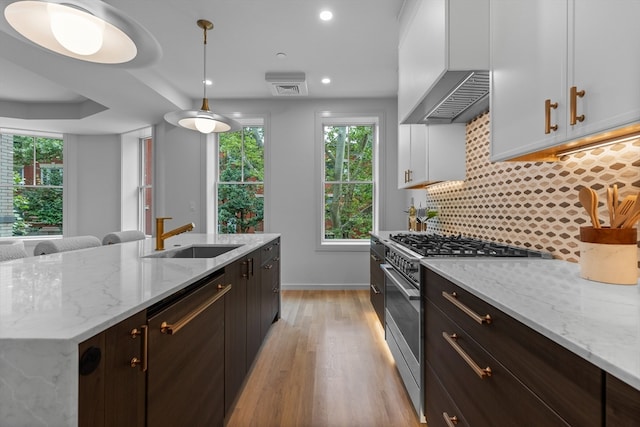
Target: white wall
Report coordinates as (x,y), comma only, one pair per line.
(92,191)
(290,183)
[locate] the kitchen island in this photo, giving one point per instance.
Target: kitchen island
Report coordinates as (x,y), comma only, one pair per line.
(50,304)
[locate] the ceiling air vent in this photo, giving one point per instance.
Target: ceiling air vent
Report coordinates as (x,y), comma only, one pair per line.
(287,84)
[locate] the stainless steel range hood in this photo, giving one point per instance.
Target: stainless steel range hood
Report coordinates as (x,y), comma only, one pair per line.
(457,97)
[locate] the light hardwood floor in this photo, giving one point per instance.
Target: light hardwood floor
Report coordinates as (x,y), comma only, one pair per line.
(324,364)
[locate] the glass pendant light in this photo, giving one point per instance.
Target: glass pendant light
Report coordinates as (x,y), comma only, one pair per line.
(202,120)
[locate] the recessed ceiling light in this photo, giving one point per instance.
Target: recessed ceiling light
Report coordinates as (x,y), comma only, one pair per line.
(326,15)
(326,80)
(208,82)
(281,55)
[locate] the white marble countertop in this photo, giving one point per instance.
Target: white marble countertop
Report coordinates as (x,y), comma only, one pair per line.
(49,304)
(599,322)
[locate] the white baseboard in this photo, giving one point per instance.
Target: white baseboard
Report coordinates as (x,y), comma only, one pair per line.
(323,286)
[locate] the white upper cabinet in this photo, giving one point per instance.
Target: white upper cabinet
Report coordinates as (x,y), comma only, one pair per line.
(438,41)
(561,70)
(430,153)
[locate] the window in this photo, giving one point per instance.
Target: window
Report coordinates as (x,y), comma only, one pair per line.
(145,188)
(240,184)
(348,171)
(31,178)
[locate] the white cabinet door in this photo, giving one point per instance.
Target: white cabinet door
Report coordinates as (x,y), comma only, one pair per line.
(446,157)
(606,64)
(428,154)
(421,54)
(412,155)
(419,152)
(404,154)
(528,66)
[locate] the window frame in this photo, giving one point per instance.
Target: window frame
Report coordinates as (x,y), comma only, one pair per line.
(63,187)
(328,118)
(247,121)
(143,186)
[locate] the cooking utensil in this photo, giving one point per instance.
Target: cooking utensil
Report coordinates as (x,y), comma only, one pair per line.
(589,200)
(610,207)
(624,210)
(633,215)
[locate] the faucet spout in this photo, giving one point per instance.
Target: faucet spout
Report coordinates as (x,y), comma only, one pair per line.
(161,236)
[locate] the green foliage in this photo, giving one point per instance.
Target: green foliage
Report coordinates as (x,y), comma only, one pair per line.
(241,166)
(35,206)
(348,177)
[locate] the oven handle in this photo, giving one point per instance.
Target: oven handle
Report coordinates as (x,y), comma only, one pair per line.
(387,268)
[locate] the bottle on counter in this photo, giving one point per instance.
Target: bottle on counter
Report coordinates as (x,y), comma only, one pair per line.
(412,217)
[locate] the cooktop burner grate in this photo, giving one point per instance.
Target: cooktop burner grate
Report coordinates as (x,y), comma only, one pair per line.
(429,245)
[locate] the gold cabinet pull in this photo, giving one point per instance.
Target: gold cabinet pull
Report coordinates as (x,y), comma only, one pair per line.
(574,94)
(451,421)
(374,289)
(548,105)
(173,328)
(481,372)
(143,360)
(453,299)
(268,267)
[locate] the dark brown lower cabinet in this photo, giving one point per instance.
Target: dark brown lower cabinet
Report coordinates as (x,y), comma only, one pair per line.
(112,391)
(622,403)
(185,377)
(499,371)
(235,330)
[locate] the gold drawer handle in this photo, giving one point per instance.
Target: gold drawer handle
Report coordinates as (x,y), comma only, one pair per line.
(172,329)
(481,372)
(451,421)
(453,299)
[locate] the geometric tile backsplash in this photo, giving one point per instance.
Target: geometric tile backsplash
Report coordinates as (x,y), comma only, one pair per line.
(530,204)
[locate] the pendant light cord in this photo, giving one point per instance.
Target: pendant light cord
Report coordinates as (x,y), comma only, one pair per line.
(204,77)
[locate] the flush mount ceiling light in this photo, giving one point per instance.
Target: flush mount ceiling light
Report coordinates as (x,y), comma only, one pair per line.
(202,120)
(88,30)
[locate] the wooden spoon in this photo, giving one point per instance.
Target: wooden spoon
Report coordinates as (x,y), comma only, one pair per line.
(610,207)
(589,200)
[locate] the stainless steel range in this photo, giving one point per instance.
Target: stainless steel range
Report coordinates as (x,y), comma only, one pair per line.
(402,287)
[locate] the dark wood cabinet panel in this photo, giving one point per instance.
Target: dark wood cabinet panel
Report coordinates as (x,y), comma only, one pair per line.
(91,399)
(439,403)
(498,399)
(125,388)
(376,277)
(235,330)
(622,403)
(568,384)
(185,378)
(113,393)
(254,295)
(270,277)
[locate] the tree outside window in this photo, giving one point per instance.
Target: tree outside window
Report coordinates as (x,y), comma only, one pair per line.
(240,183)
(348,182)
(31,183)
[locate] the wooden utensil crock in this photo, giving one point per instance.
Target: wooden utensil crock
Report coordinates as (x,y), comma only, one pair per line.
(609,255)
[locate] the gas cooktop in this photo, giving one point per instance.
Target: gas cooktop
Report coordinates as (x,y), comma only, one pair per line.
(429,245)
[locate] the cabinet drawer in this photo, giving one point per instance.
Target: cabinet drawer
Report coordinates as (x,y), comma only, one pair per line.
(623,403)
(534,359)
(438,403)
(498,399)
(270,252)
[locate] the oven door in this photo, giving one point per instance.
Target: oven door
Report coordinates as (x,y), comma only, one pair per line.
(402,330)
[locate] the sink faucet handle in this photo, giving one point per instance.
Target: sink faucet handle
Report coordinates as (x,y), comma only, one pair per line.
(163,217)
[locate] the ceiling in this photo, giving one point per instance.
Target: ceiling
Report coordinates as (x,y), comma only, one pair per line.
(44,91)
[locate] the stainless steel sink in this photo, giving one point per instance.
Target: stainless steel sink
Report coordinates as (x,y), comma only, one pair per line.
(195,251)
